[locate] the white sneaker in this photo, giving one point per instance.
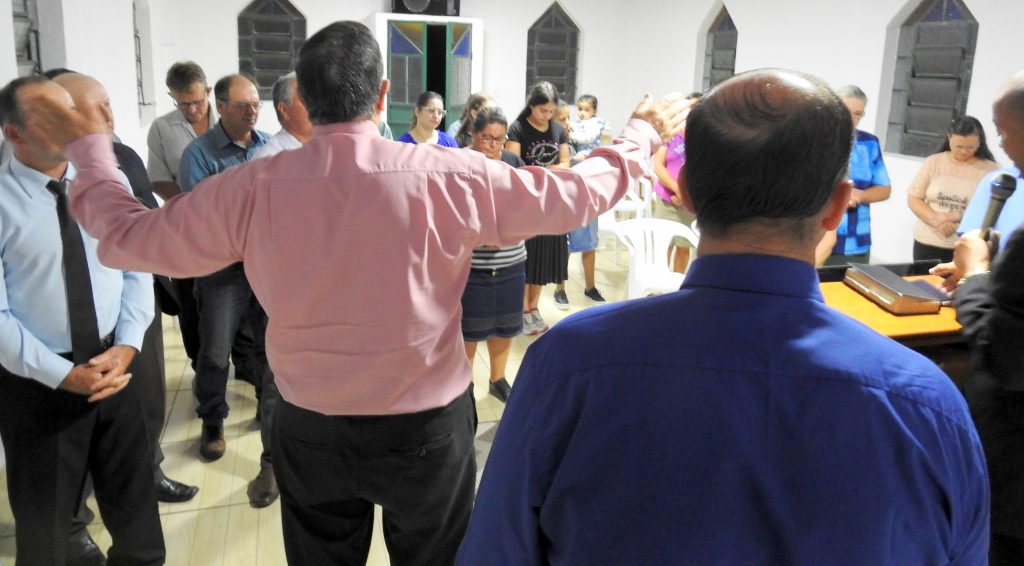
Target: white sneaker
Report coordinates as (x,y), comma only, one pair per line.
(529,326)
(538,321)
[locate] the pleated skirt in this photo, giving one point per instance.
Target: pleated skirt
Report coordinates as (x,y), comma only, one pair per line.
(547,260)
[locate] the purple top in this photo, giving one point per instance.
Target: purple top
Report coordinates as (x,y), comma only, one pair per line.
(443,139)
(675,157)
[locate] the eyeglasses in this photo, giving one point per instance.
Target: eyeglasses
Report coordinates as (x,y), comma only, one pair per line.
(239,105)
(186,105)
(488,139)
(435,111)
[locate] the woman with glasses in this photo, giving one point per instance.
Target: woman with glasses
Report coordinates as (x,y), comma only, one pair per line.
(425,119)
(944,184)
(493,299)
(543,142)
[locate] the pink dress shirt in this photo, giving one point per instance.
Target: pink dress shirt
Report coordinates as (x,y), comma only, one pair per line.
(357,247)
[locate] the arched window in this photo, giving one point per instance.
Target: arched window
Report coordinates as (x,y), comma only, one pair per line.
(720,50)
(26,36)
(270,34)
(552,51)
(932,77)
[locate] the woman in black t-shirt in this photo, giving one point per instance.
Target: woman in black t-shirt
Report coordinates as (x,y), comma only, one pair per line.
(541,141)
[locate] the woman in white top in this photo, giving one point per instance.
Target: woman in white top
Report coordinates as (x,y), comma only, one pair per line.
(944,185)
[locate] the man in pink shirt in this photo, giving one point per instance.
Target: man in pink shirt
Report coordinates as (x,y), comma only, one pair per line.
(359,249)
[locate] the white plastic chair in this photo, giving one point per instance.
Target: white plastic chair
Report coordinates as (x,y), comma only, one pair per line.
(648,241)
(637,200)
(636,203)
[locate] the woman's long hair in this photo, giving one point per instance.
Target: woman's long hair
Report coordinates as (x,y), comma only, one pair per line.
(968,126)
(541,93)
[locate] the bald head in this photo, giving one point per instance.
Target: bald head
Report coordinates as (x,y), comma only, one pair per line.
(86,91)
(1008,115)
(768,145)
(1011,96)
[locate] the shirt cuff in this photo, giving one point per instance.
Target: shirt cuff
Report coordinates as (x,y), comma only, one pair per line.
(93,149)
(637,128)
(129,334)
(53,370)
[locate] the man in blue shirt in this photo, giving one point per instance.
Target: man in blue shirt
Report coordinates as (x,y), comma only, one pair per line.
(1012,214)
(739,420)
(990,306)
(65,404)
(226,302)
(870,183)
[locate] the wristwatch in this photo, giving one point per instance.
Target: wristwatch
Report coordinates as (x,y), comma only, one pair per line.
(972,273)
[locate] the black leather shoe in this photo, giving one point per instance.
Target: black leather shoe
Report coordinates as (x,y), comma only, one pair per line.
(82,550)
(170,491)
(212,444)
(501,389)
(263,490)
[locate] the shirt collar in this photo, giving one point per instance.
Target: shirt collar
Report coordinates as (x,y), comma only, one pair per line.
(32,181)
(221,138)
(755,273)
(286,137)
(364,126)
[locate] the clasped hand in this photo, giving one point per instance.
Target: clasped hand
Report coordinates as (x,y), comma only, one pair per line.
(101,376)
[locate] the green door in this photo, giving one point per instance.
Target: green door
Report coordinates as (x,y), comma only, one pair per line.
(459,62)
(407,70)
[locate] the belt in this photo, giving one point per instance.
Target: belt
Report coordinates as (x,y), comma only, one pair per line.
(105,343)
(493,272)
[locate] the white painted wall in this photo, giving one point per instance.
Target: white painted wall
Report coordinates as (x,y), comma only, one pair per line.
(8,62)
(627,48)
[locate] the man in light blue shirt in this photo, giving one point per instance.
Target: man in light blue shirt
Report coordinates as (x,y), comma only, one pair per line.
(1012,214)
(739,420)
(228,310)
(61,418)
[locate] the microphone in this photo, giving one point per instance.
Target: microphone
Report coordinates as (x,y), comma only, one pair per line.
(1002,187)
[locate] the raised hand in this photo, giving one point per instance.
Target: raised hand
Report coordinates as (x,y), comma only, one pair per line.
(54,124)
(667,115)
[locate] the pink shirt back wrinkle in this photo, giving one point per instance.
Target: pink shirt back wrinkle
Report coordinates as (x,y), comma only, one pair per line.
(357,247)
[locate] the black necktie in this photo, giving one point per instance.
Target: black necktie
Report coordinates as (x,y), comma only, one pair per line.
(85,333)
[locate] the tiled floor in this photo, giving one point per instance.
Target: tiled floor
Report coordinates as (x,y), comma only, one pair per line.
(219,527)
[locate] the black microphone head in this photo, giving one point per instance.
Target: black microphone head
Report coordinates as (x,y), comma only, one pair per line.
(1003,186)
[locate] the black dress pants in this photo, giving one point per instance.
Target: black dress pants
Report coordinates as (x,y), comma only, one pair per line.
(150,381)
(150,377)
(188,318)
(331,470)
(51,439)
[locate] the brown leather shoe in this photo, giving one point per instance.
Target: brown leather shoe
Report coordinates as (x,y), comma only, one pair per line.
(212,444)
(263,490)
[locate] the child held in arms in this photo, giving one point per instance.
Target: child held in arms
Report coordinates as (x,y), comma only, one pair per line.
(587,128)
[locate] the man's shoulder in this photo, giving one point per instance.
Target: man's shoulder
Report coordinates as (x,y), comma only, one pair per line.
(673,331)
(866,137)
(204,144)
(165,124)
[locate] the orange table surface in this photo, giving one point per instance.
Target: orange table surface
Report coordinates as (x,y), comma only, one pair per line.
(843,298)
